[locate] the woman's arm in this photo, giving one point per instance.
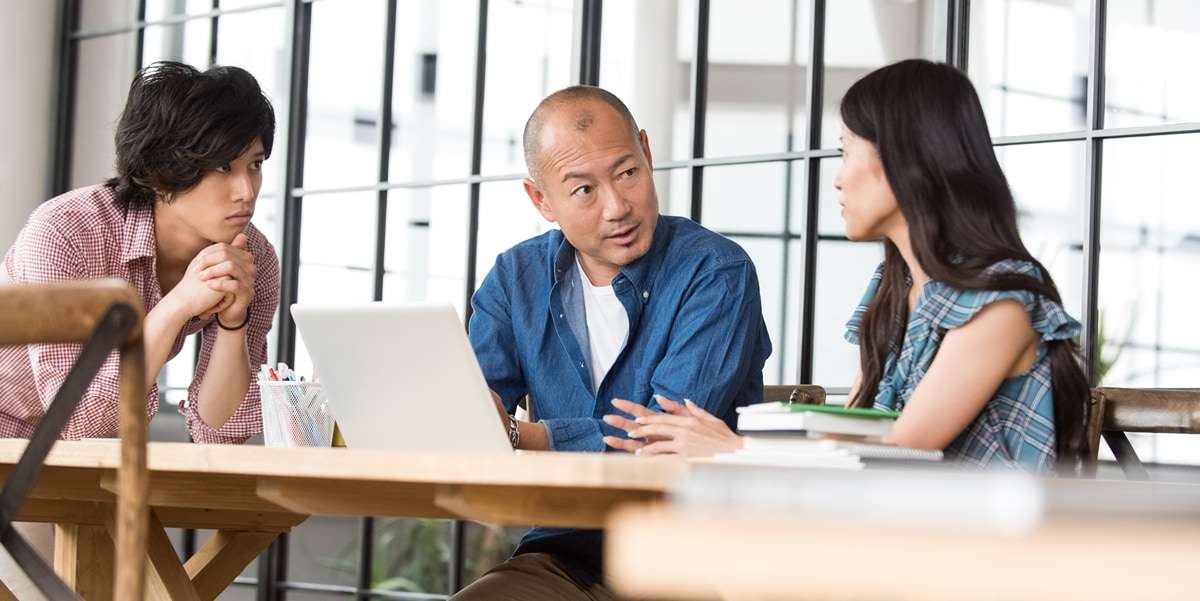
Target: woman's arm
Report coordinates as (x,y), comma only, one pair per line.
(972,362)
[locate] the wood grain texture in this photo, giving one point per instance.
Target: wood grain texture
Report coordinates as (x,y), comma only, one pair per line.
(62,311)
(252,493)
(69,312)
(1167,411)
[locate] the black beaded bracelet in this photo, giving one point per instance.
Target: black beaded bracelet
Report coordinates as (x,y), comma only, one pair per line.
(234,329)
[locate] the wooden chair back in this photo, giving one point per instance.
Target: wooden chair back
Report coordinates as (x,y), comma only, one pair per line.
(1115,411)
(100,314)
(808,394)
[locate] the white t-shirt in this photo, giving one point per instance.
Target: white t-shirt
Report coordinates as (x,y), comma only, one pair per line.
(608,326)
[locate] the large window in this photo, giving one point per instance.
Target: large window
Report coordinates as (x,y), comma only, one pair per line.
(396,173)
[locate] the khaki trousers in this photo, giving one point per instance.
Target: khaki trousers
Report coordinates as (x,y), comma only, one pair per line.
(531,577)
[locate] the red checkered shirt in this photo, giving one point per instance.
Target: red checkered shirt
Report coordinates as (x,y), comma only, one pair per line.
(83,235)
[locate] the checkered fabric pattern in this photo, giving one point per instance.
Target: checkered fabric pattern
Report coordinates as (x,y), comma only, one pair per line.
(83,235)
(1016,427)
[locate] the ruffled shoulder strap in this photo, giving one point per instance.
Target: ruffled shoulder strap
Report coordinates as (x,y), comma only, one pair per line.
(948,308)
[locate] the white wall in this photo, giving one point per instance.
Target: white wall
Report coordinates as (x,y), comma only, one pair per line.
(26,59)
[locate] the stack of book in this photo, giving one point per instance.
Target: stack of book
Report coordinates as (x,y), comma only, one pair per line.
(830,436)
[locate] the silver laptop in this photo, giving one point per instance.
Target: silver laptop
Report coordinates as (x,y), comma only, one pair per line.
(401,376)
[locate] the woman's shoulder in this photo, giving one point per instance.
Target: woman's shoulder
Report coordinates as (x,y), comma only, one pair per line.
(1014,267)
(949,307)
(997,270)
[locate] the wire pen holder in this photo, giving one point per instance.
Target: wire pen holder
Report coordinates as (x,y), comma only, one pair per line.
(295,414)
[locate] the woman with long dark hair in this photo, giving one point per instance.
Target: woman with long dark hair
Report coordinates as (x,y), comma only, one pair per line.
(960,329)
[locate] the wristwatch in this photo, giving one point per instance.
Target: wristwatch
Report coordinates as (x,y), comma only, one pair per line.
(514,432)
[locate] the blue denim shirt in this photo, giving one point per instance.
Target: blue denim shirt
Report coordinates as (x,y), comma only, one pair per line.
(696,332)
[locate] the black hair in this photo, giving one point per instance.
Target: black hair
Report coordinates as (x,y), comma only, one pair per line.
(929,128)
(180,123)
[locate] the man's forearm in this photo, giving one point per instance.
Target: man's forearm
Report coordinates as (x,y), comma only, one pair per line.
(533,436)
(161,327)
(226,380)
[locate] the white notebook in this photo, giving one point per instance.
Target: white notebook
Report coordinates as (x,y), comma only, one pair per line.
(795,445)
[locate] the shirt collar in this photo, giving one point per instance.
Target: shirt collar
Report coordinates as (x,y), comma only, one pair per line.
(564,260)
(644,271)
(641,273)
(141,241)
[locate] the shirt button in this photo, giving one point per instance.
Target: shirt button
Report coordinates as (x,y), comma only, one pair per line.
(645,294)
(581,365)
(560,315)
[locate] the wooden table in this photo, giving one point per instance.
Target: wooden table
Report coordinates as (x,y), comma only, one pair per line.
(249,494)
(1081,540)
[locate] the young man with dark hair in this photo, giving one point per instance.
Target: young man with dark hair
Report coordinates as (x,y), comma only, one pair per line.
(175,224)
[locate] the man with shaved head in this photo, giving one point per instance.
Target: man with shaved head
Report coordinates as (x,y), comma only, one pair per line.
(618,305)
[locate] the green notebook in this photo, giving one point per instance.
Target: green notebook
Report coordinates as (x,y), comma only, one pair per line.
(840,410)
(798,418)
